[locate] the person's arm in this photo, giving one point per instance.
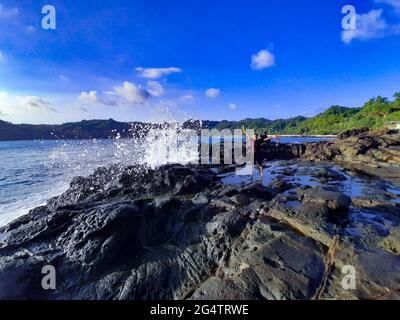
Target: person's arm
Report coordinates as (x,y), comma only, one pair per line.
(247,134)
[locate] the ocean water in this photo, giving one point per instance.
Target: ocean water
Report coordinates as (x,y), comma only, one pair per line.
(31,172)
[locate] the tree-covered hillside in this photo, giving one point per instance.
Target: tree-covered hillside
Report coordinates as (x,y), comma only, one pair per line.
(374,114)
(333,120)
(85,129)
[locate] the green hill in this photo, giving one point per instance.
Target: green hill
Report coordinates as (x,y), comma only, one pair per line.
(333,120)
(374,114)
(85,129)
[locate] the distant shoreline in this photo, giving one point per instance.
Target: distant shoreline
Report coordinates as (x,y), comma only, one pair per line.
(272,136)
(104,129)
(306,136)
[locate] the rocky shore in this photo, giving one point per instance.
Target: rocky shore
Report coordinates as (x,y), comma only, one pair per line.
(375,153)
(371,152)
(197,232)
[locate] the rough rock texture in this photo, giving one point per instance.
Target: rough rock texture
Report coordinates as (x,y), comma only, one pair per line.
(269,151)
(376,153)
(179,233)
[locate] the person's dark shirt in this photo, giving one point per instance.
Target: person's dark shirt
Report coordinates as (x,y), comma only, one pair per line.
(257,145)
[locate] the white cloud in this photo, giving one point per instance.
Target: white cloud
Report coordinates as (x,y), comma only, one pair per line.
(395,4)
(64,78)
(187,97)
(90,96)
(35,103)
(369,26)
(7,12)
(30,28)
(132,93)
(3,96)
(262,60)
(127,93)
(232,106)
(83,109)
(4,102)
(155,88)
(4,57)
(212,93)
(93,97)
(155,73)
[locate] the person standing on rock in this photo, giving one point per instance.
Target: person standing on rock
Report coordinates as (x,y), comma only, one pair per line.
(256,141)
(264,137)
(267,138)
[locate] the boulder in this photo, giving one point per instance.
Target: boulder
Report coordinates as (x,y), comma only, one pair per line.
(332,199)
(376,153)
(240,199)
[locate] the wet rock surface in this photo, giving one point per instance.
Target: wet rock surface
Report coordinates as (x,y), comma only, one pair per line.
(200,232)
(375,153)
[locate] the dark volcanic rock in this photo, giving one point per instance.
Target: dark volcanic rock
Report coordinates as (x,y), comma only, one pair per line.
(352,133)
(334,200)
(375,153)
(240,199)
(178,233)
(280,185)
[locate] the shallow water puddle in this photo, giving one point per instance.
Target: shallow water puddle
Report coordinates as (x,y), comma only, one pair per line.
(312,174)
(364,222)
(293,203)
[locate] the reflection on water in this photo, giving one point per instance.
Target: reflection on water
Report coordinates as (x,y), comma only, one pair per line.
(313,174)
(363,223)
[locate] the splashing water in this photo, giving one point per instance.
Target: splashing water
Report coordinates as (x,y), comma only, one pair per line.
(34,171)
(170,144)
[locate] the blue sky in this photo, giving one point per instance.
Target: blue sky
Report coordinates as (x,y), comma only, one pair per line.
(153,60)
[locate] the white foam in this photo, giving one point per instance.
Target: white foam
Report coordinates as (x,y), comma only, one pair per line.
(64,160)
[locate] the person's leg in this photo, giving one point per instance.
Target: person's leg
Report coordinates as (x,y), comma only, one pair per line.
(260,167)
(258,163)
(254,173)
